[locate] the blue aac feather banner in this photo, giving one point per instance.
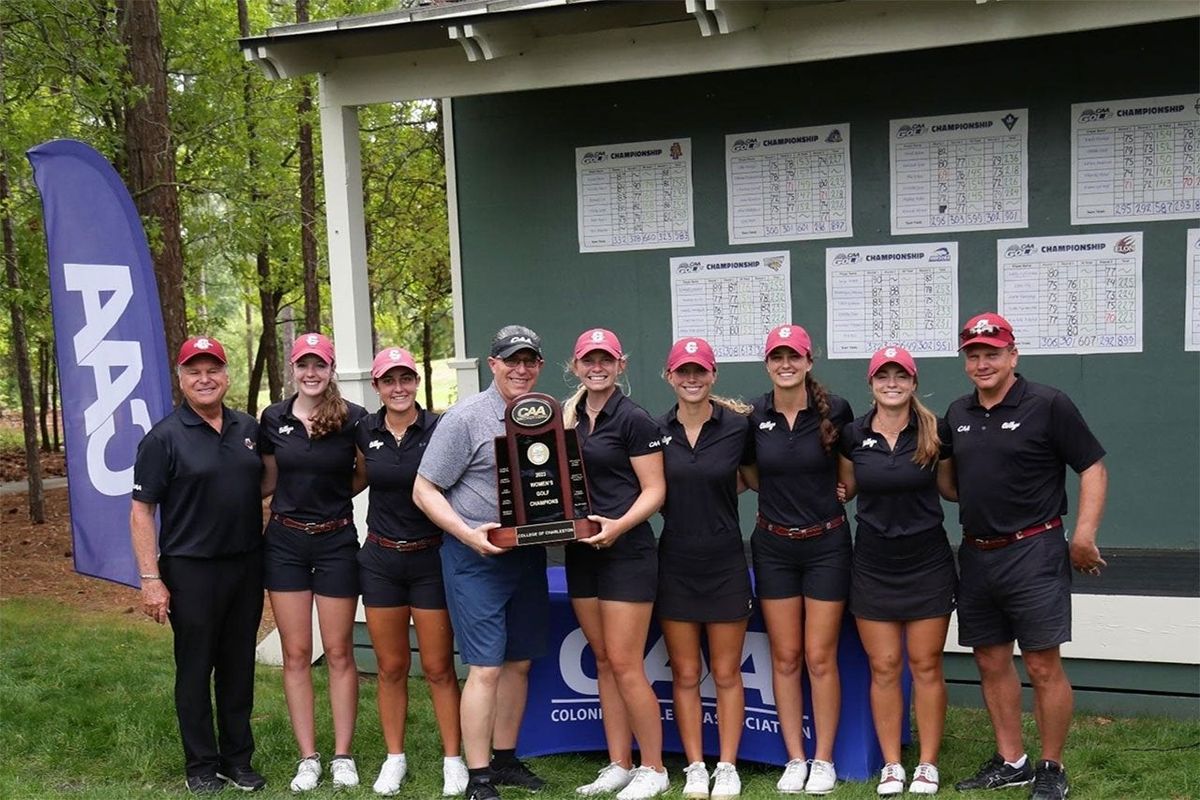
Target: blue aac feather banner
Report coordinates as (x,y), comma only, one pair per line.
(112,353)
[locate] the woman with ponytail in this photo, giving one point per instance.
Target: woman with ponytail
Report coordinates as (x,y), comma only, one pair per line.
(612,576)
(703,585)
(308,451)
(903,581)
(801,548)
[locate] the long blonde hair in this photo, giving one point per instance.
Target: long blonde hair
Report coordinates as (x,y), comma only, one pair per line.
(570,416)
(929,444)
(331,411)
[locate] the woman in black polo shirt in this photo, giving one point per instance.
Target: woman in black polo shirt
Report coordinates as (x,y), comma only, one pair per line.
(400,571)
(612,576)
(896,458)
(702,579)
(801,548)
(307,444)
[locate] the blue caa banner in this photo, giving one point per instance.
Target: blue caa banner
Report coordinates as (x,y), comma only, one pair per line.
(112,354)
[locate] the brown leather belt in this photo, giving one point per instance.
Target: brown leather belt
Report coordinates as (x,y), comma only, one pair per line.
(405,546)
(996,542)
(312,527)
(801,533)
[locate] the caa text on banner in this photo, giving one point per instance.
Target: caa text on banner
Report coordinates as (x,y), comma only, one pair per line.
(112,356)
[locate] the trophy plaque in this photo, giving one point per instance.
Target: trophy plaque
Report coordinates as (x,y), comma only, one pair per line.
(539,477)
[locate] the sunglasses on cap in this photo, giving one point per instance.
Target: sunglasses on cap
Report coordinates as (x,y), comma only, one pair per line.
(981,330)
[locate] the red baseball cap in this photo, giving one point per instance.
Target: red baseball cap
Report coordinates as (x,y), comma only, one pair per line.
(598,339)
(789,335)
(317,344)
(201,346)
(391,358)
(691,350)
(892,355)
(987,328)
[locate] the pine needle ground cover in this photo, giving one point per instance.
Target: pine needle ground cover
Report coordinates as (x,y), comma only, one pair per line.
(85,711)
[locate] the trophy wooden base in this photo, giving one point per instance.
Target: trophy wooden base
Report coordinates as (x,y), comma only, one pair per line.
(567,530)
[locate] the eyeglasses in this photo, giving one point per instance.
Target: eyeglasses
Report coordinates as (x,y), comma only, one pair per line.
(527,363)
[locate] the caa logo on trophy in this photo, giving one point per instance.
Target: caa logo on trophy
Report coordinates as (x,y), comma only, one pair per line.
(539,477)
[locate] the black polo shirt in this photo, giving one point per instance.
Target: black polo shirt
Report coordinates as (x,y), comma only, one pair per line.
(797,479)
(205,484)
(896,496)
(1010,459)
(622,431)
(391,473)
(701,504)
(316,478)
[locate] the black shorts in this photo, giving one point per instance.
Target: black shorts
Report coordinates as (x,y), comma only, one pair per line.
(817,568)
(325,563)
(703,586)
(902,578)
(392,578)
(1021,592)
(628,572)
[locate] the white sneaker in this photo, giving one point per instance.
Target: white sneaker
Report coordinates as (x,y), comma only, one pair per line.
(345,774)
(612,778)
(822,777)
(695,785)
(646,782)
(391,775)
(726,783)
(454,776)
(925,779)
(891,779)
(308,774)
(792,780)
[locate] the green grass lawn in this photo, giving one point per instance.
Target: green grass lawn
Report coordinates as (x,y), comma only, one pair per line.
(85,711)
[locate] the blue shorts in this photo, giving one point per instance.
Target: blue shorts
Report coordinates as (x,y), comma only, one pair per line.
(1021,592)
(499,605)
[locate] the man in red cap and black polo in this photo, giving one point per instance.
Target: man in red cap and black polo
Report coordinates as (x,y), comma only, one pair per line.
(203,571)
(1013,440)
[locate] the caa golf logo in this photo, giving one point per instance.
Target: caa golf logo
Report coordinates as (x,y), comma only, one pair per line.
(742,145)
(841,259)
(1095,114)
(594,157)
(687,266)
(1019,249)
(905,131)
(532,412)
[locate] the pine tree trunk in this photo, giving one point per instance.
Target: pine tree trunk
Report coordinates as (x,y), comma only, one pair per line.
(150,160)
(308,197)
(43,394)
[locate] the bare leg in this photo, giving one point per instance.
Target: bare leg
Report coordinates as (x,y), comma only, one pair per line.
(1002,696)
(389,637)
(617,732)
(1053,703)
(884,643)
(293,616)
(478,714)
(683,649)
(823,624)
(785,632)
(436,641)
(725,646)
(510,703)
(335,616)
(625,628)
(926,641)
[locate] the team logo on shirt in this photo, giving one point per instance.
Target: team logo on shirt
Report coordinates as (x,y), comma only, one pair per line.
(870,442)
(666,440)
(1010,426)
(963,428)
(286,429)
(655,443)
(375,444)
(248,442)
(137,487)
(766,426)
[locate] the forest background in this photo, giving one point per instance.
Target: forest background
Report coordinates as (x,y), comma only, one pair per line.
(223,166)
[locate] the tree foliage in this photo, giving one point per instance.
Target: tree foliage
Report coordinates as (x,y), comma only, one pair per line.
(236,147)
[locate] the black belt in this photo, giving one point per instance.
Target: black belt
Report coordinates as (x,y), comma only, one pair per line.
(410,546)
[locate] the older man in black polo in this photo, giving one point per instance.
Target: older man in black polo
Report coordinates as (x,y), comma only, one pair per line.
(1013,440)
(203,572)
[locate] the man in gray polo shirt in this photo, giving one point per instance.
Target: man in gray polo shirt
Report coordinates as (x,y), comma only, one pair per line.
(498,598)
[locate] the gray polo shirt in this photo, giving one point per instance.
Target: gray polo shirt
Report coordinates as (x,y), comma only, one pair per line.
(460,458)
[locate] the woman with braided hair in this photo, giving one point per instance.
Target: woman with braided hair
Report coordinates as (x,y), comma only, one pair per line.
(801,547)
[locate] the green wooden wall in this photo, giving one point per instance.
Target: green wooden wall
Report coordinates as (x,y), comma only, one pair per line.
(521,260)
